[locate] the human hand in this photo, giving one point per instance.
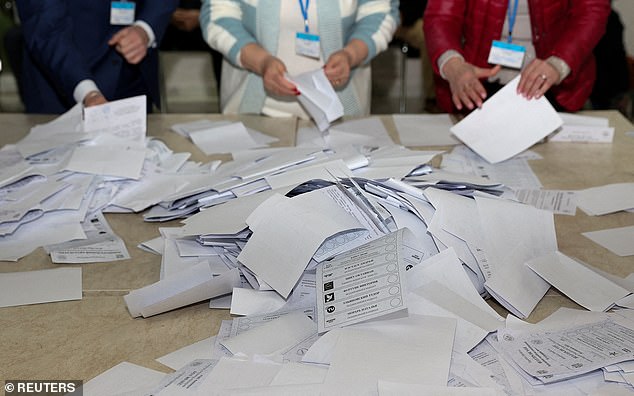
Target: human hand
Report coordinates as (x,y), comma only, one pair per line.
(186,19)
(536,79)
(337,68)
(131,42)
(272,72)
(94,98)
(464,82)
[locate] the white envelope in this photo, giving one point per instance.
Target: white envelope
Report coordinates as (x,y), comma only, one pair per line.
(318,97)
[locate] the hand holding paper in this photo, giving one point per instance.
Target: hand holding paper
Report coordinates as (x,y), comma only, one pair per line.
(318,97)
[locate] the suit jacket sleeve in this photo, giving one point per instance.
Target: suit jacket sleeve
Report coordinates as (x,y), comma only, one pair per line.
(51,32)
(48,34)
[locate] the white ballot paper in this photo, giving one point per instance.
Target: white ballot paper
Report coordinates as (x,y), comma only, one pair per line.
(224,139)
(387,388)
(558,202)
(286,234)
(101,244)
(424,129)
(581,284)
(65,130)
(514,233)
(123,379)
(36,287)
(120,122)
(507,124)
(202,349)
(183,288)
(119,129)
(617,240)
(583,134)
(318,97)
(554,355)
(362,284)
(275,336)
(610,198)
(363,355)
(98,160)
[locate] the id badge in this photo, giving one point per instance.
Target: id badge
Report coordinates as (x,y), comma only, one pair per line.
(507,54)
(122,12)
(307,44)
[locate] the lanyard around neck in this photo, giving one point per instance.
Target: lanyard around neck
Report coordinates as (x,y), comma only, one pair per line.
(511,16)
(304,8)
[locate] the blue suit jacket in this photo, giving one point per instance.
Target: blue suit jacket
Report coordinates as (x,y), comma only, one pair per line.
(67,41)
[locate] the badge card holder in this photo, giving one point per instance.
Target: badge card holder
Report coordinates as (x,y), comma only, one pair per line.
(122,12)
(307,44)
(506,53)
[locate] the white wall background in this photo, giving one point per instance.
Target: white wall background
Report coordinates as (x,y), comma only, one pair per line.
(625,8)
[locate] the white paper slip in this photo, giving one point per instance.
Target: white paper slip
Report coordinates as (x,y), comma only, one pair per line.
(514,233)
(570,351)
(202,349)
(558,202)
(230,375)
(387,388)
(43,286)
(98,160)
(286,234)
(362,284)
(223,139)
(101,244)
(183,288)
(507,124)
(583,134)
(120,122)
(275,336)
(610,198)
(617,240)
(318,97)
(65,130)
(123,378)
(584,120)
(362,357)
(424,129)
(186,380)
(254,302)
(579,283)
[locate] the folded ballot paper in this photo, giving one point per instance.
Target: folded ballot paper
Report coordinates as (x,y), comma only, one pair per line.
(507,124)
(318,97)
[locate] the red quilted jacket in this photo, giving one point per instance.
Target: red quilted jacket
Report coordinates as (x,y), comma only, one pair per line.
(568,29)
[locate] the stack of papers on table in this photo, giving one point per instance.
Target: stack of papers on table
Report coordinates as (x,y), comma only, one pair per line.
(354,266)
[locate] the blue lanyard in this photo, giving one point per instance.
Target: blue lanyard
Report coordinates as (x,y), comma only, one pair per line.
(511,17)
(304,13)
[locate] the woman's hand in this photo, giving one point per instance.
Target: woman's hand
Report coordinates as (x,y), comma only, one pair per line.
(275,83)
(464,81)
(536,79)
(337,69)
(271,69)
(340,63)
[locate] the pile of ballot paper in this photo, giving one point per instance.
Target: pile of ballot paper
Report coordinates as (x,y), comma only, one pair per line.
(351,264)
